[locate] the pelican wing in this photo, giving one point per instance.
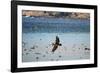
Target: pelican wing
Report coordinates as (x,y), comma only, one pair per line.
(57,40)
(54,48)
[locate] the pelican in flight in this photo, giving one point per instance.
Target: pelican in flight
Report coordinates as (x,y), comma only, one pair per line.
(56,44)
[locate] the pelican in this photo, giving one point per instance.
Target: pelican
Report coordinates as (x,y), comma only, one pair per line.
(56,44)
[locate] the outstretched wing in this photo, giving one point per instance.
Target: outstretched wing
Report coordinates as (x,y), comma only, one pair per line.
(57,40)
(54,48)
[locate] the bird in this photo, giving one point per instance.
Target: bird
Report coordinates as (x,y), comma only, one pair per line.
(56,44)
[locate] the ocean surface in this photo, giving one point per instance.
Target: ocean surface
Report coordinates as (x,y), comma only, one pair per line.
(54,25)
(40,32)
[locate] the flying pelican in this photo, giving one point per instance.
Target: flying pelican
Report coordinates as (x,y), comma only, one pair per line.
(56,44)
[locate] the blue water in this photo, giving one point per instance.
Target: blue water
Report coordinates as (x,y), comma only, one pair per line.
(40,32)
(56,25)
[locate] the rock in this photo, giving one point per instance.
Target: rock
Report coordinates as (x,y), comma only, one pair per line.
(52,59)
(27,53)
(37,53)
(47,47)
(37,58)
(33,47)
(60,56)
(87,48)
(25,49)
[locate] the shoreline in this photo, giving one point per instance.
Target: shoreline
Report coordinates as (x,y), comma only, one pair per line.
(56,17)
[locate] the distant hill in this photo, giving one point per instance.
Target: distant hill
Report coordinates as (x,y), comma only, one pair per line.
(56,14)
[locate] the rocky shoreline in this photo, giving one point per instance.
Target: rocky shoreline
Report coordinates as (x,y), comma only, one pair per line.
(73,15)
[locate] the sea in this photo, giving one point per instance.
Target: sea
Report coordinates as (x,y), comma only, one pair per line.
(39,34)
